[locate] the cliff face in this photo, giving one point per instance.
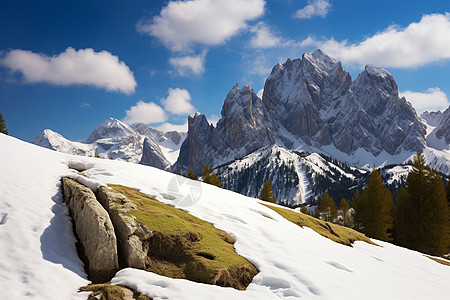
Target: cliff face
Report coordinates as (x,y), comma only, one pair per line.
(310,101)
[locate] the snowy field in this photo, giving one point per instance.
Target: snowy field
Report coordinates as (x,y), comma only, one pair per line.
(38,258)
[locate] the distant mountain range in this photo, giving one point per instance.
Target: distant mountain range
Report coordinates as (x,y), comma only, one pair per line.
(314,130)
(114,139)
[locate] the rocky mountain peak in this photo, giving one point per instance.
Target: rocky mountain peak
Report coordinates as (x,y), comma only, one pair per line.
(111,128)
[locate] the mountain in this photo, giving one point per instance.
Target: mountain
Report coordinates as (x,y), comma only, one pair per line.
(311,104)
(301,177)
(114,139)
(38,247)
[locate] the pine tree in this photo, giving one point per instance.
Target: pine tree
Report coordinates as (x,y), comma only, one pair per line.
(304,210)
(3,128)
(345,207)
(206,170)
(213,179)
(422,218)
(266,192)
(327,208)
(191,174)
(356,204)
(377,208)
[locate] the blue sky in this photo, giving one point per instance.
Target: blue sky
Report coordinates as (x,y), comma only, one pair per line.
(69,65)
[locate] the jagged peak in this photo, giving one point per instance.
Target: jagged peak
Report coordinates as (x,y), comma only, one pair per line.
(377,71)
(195,115)
(110,128)
(321,60)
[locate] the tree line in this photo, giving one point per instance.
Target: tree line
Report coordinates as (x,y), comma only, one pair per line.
(419,219)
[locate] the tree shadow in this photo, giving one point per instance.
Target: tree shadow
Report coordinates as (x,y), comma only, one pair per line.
(58,242)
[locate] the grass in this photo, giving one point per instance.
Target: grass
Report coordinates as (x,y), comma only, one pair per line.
(198,249)
(441,261)
(336,233)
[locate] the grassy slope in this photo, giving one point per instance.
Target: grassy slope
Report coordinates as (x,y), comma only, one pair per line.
(337,233)
(211,247)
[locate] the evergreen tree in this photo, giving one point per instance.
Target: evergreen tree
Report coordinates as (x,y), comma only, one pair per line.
(266,192)
(3,128)
(206,170)
(191,174)
(356,204)
(377,208)
(304,210)
(327,208)
(213,179)
(345,207)
(422,219)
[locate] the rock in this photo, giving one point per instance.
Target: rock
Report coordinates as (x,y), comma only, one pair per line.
(94,230)
(130,235)
(153,156)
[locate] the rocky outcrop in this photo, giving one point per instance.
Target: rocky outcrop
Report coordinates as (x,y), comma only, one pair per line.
(130,235)
(242,129)
(153,156)
(310,103)
(94,230)
(443,128)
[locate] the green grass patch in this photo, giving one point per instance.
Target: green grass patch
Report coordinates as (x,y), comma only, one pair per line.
(336,233)
(182,242)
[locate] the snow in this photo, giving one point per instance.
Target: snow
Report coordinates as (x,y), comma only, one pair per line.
(38,257)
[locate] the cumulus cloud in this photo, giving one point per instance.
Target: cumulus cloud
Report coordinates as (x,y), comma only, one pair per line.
(147,113)
(431,100)
(416,45)
(314,8)
(183,24)
(185,65)
(178,102)
(263,37)
(84,66)
(173,127)
(213,119)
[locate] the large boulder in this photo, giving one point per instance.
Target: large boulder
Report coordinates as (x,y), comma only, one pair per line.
(130,235)
(94,229)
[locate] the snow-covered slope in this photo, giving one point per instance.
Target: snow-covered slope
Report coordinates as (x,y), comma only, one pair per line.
(38,257)
(114,139)
(295,177)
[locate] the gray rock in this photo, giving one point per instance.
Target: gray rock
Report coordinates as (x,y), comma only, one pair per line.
(153,156)
(94,230)
(130,234)
(442,130)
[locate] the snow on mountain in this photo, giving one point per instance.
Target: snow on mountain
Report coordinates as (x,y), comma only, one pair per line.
(54,141)
(296,177)
(114,139)
(38,256)
(311,104)
(432,118)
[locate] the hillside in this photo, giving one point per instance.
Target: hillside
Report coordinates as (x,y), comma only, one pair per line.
(38,258)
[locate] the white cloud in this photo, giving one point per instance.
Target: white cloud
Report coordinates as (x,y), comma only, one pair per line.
(173,127)
(431,100)
(213,119)
(182,24)
(85,105)
(84,66)
(416,45)
(147,113)
(178,102)
(314,8)
(185,65)
(264,37)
